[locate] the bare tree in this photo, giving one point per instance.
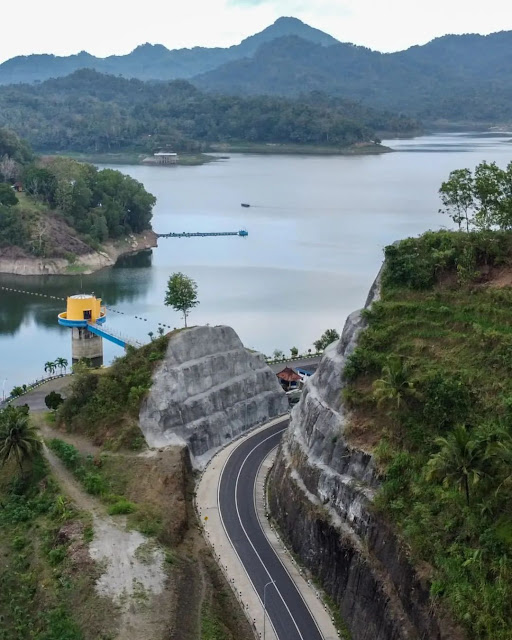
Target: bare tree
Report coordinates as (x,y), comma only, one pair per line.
(9,168)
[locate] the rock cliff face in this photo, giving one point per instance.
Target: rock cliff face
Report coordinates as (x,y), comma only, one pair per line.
(209,390)
(320,493)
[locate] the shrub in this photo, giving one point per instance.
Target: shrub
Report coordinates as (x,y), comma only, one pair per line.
(122,506)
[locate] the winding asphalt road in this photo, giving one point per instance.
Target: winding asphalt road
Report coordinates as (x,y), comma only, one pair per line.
(288,613)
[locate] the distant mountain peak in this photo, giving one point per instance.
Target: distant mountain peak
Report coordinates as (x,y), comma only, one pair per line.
(283,27)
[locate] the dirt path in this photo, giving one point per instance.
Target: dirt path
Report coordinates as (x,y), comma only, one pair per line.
(134,575)
(84,445)
(82,500)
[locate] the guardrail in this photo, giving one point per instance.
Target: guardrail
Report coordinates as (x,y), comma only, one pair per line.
(285,359)
(31,387)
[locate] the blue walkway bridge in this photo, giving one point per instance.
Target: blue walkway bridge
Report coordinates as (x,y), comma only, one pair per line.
(242,233)
(112,336)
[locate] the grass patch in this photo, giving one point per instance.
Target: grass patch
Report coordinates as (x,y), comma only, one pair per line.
(211,627)
(437,354)
(37,584)
(122,507)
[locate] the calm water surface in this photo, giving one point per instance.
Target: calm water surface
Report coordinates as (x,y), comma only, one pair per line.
(317,227)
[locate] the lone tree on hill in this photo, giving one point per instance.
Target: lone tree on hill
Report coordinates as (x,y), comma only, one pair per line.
(181,294)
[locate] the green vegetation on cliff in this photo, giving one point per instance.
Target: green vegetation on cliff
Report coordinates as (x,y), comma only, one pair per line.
(105,404)
(430,386)
(66,207)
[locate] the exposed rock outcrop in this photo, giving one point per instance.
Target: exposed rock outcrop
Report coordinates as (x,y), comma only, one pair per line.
(209,390)
(17,263)
(320,493)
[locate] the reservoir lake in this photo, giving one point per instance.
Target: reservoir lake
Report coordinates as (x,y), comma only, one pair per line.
(317,228)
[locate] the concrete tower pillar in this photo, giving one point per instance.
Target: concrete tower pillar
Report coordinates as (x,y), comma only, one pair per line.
(85,344)
(84,312)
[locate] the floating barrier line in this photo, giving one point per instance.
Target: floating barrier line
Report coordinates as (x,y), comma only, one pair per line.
(45,295)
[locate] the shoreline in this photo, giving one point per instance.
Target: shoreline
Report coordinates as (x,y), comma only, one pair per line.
(131,157)
(83,265)
(270,148)
(198,159)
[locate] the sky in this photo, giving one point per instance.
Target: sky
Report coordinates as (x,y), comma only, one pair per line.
(106,27)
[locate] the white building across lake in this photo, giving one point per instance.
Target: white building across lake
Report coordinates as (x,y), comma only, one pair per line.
(163,157)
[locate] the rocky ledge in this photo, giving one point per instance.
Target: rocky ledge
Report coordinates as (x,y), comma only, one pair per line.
(320,494)
(17,263)
(209,390)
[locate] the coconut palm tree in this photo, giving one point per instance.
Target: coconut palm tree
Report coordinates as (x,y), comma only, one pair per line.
(460,460)
(62,363)
(18,438)
(395,386)
(49,367)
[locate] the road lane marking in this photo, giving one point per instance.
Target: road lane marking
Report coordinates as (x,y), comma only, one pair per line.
(270,544)
(247,535)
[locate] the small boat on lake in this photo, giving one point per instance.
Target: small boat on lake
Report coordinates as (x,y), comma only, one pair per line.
(245,204)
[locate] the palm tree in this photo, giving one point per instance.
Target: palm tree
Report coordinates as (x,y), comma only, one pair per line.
(18,438)
(394,387)
(49,367)
(62,363)
(460,460)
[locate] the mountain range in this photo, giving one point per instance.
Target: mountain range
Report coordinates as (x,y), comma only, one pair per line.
(156,62)
(463,78)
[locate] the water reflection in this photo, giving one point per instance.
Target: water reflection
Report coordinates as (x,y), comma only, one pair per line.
(126,281)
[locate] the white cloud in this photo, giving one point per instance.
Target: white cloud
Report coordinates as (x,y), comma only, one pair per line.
(104,27)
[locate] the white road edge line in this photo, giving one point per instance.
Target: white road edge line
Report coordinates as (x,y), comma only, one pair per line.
(219,510)
(250,541)
(272,546)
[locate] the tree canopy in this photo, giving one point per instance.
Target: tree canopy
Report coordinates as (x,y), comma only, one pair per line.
(181,294)
(481,199)
(91,112)
(67,195)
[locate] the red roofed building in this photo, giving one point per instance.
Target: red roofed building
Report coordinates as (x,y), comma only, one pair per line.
(288,378)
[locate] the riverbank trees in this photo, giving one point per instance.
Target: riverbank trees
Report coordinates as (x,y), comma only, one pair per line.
(61,195)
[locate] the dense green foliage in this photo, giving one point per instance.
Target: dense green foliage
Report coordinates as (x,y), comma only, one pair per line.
(88,111)
(19,440)
(181,294)
(61,195)
(105,405)
(481,200)
(36,584)
(432,378)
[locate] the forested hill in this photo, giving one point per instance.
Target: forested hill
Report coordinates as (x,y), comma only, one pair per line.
(463,78)
(89,111)
(457,78)
(59,208)
(155,62)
